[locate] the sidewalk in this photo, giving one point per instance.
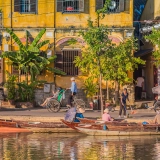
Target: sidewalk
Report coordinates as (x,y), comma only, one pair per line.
(42,115)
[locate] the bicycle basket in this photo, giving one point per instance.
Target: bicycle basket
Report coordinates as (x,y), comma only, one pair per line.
(156,90)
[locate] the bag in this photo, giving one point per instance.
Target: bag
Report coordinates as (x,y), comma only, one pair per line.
(145,123)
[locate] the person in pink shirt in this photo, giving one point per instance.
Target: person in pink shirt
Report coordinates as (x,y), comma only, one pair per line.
(106,116)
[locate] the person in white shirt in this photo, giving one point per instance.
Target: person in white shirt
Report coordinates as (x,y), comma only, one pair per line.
(139,88)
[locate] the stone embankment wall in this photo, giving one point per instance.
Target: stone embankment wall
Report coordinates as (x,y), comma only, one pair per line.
(40,96)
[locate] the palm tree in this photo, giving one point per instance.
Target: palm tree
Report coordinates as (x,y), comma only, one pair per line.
(28,57)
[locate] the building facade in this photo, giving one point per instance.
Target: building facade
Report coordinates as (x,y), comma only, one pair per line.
(149,17)
(63,19)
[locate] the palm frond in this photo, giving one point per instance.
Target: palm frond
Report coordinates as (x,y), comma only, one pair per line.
(41,44)
(56,71)
(16,39)
(38,37)
(33,49)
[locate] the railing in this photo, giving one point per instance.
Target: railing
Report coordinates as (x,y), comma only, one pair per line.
(68,62)
(71,6)
(115,6)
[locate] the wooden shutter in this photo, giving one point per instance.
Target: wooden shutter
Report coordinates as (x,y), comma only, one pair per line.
(17,6)
(127,6)
(81,5)
(121,5)
(99,4)
(33,4)
(59,5)
(86,6)
(59,60)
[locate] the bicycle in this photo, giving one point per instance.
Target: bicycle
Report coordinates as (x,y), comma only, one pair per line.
(54,105)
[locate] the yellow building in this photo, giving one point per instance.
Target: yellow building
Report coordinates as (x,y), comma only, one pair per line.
(149,18)
(62,19)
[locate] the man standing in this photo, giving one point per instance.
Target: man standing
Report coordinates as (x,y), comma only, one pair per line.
(139,88)
(73,91)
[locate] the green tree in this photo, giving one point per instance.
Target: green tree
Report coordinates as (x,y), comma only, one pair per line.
(93,56)
(154,38)
(118,62)
(101,58)
(11,86)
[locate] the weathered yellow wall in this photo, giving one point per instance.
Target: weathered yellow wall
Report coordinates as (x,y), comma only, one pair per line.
(45,16)
(156,8)
(48,18)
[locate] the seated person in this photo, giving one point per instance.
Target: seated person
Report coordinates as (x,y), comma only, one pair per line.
(156,103)
(106,116)
(70,115)
(79,113)
(55,95)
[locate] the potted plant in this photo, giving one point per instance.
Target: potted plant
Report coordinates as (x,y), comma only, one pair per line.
(10,85)
(90,90)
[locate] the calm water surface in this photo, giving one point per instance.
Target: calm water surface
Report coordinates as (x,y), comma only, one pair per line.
(77,147)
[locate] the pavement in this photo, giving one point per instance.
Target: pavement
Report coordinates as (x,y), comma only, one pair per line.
(43,115)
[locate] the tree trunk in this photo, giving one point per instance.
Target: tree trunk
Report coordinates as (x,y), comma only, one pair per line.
(100,91)
(107,90)
(100,86)
(27,78)
(116,92)
(19,75)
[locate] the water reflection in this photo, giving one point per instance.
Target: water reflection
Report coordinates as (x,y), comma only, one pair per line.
(77,147)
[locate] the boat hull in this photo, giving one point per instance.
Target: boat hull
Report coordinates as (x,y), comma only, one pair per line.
(94,132)
(72,125)
(4,123)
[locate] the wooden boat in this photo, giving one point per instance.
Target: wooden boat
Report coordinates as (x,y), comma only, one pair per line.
(13,130)
(26,124)
(95,132)
(86,120)
(8,126)
(88,123)
(8,123)
(72,125)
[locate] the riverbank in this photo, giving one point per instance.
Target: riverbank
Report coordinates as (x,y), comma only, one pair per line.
(42,115)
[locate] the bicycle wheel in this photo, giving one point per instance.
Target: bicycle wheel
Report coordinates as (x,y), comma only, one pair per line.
(80,102)
(54,105)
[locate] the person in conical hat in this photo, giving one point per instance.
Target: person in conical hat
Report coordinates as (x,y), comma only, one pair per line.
(106,116)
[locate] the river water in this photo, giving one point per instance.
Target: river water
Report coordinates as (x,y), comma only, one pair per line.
(19,146)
